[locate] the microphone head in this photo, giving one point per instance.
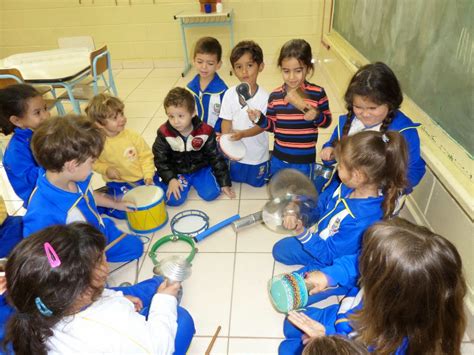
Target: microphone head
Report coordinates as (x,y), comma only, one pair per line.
(243,89)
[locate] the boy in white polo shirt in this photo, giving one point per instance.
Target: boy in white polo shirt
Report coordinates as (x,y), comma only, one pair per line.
(247,62)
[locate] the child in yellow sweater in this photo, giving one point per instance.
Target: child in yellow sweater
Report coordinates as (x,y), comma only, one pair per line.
(127,160)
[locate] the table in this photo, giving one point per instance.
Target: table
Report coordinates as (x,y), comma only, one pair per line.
(189,19)
(57,68)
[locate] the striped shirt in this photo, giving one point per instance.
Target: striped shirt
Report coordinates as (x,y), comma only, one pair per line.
(295,138)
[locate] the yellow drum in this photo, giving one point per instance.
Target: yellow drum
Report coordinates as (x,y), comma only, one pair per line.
(150,214)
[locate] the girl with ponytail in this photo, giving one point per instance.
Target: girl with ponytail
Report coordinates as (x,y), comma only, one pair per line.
(373,100)
(372,167)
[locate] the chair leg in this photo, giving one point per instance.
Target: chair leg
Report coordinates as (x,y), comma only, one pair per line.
(112,82)
(58,104)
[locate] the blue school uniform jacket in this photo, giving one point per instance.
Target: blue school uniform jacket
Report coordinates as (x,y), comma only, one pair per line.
(208,102)
(352,303)
(343,272)
(50,205)
(342,222)
(20,165)
(408,129)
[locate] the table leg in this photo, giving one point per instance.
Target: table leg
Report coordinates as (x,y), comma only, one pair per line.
(187,65)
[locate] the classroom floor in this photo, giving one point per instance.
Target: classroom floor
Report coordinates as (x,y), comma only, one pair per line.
(228,286)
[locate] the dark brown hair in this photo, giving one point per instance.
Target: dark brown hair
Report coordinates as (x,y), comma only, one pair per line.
(80,248)
(300,50)
(413,288)
(180,97)
(63,139)
(208,45)
(243,47)
(378,83)
(382,157)
(334,345)
(14,102)
(103,106)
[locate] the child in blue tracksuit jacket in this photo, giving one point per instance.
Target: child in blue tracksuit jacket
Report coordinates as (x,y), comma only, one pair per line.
(403,305)
(66,147)
(22,109)
(373,99)
(207,87)
(367,193)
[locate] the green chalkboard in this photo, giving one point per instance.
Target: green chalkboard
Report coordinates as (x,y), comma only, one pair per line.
(430,46)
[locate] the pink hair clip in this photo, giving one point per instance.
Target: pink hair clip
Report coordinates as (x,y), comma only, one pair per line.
(53,258)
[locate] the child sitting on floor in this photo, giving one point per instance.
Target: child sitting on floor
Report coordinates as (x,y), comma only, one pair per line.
(22,109)
(411,299)
(186,153)
(126,160)
(66,147)
(56,280)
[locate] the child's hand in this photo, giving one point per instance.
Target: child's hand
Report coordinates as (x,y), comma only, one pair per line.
(254,115)
(316,282)
(227,190)
(126,206)
(113,173)
(292,222)
(311,113)
(309,326)
(169,288)
(175,188)
(237,135)
(148,181)
(327,153)
(3,284)
(136,302)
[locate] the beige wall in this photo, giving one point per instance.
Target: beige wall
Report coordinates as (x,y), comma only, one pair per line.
(147,31)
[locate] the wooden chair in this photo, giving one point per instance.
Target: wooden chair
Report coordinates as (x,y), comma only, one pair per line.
(100,64)
(13,76)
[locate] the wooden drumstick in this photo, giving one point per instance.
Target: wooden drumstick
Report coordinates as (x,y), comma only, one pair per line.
(113,242)
(213,340)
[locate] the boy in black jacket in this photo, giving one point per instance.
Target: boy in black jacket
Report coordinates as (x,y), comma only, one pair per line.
(185,152)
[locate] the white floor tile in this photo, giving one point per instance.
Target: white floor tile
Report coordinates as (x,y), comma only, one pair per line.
(252,346)
(254,193)
(207,293)
(467,348)
(255,238)
(252,314)
(154,82)
(140,109)
(148,95)
(168,73)
(15,208)
(133,73)
(200,344)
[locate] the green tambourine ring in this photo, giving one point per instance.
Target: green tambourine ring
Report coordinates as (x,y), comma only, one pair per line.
(173,238)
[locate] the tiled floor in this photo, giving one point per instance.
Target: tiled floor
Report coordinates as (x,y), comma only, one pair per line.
(228,286)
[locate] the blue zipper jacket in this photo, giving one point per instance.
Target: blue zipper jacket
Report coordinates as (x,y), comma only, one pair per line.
(20,165)
(341,225)
(208,102)
(51,205)
(408,129)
